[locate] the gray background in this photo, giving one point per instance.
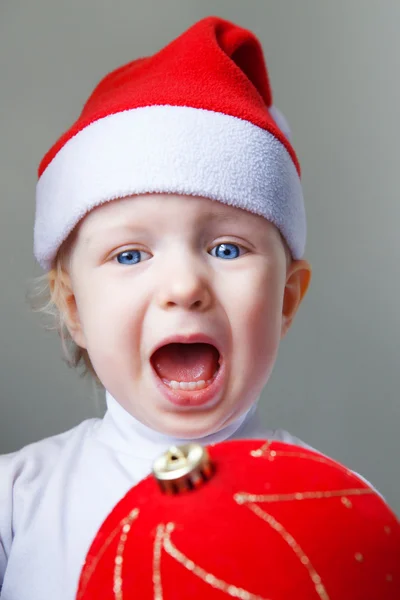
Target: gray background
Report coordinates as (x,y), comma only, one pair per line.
(334,68)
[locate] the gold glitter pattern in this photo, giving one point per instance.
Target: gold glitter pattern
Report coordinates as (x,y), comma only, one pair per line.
(359,557)
(227,588)
(244,497)
(291,542)
(266,452)
(126,525)
(251,500)
(347,503)
(157,583)
(88,572)
(263,451)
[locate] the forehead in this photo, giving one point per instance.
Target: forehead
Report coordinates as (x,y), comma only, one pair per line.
(159,211)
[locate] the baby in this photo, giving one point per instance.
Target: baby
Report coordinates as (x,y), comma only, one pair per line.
(170,222)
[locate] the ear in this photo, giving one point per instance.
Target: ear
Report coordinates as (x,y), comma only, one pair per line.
(298,279)
(63,297)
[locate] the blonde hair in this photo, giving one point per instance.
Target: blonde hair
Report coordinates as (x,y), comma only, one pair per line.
(47,296)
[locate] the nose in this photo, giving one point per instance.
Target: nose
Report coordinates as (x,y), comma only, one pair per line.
(185,285)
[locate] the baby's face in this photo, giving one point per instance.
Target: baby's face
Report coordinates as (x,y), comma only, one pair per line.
(179,301)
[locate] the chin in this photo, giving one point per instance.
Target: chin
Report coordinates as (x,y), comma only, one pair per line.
(189,426)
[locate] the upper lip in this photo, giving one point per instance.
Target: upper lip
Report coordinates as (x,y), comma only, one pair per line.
(188,338)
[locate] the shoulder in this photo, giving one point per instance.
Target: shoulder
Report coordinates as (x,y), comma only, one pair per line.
(25,473)
(284,436)
(280,435)
(38,457)
(253,428)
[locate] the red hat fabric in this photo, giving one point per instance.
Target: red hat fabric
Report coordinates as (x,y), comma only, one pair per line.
(275,522)
(196,118)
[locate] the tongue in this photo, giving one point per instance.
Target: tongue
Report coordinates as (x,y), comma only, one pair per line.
(186,362)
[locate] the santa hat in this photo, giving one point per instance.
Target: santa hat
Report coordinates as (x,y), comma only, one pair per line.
(196,118)
(275,522)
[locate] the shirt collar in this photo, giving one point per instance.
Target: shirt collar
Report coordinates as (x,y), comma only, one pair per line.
(126,434)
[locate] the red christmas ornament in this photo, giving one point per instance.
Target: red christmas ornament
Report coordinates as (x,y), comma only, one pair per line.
(274,522)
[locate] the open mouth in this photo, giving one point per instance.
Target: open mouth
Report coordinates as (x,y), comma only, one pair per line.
(187,367)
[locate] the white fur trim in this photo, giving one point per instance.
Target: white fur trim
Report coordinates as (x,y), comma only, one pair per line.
(168,149)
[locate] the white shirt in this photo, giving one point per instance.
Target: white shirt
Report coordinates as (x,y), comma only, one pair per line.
(56,493)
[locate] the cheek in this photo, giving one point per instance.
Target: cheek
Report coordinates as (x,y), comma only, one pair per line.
(110,320)
(257,319)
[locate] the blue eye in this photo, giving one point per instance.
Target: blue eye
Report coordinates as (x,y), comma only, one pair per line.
(228,251)
(129,257)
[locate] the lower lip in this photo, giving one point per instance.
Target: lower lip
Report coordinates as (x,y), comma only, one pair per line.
(186,398)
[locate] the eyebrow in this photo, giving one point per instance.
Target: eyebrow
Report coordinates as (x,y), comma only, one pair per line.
(220,217)
(124,229)
(113,230)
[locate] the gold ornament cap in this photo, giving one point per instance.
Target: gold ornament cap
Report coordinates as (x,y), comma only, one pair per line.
(183,468)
